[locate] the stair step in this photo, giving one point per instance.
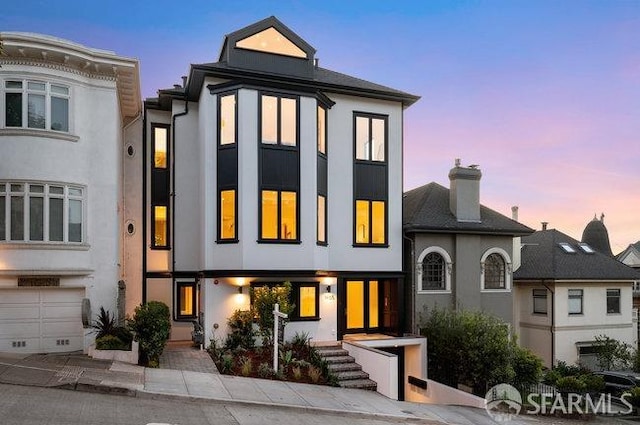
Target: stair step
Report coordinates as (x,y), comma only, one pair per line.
(349,375)
(363,384)
(343,367)
(339,359)
(333,352)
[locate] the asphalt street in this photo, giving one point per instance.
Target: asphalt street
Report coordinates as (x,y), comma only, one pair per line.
(21,405)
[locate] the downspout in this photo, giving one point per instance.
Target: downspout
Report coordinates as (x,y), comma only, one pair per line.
(173,188)
(551,328)
(144,206)
(411,273)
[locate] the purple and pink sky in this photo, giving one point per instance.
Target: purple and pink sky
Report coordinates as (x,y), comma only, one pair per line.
(544,95)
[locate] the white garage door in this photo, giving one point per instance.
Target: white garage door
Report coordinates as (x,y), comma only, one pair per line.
(41,320)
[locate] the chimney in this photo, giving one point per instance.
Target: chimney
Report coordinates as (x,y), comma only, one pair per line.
(184,81)
(514,213)
(464,194)
(544,225)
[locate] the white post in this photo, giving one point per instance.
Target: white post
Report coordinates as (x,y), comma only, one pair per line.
(276,317)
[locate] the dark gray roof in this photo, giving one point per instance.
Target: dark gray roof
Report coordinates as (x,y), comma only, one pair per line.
(543,258)
(426,209)
(596,235)
(323,79)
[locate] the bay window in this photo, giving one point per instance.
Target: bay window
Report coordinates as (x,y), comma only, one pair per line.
(36,104)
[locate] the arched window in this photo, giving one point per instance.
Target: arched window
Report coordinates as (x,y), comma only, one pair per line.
(433,272)
(494,272)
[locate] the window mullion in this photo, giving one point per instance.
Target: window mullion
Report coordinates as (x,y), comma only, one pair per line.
(45,213)
(279,215)
(65,216)
(278,120)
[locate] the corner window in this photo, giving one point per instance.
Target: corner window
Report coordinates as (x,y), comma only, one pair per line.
(228,117)
(186,300)
(494,272)
(36,104)
(279,120)
(41,212)
(575,298)
(279,215)
(370,222)
(613,301)
(371,138)
(539,301)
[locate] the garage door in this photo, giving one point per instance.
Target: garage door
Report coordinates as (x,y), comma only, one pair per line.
(41,320)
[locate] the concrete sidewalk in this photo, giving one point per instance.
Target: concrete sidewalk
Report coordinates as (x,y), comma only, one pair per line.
(78,372)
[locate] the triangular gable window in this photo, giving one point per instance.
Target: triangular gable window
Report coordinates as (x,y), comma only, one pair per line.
(271,41)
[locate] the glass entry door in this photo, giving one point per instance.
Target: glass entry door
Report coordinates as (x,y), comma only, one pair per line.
(362,306)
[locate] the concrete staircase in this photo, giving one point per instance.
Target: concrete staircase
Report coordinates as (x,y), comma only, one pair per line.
(345,368)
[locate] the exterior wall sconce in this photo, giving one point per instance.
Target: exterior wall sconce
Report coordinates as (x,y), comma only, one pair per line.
(240,290)
(328,289)
(328,296)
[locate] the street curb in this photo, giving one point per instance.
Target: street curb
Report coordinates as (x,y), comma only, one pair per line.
(292,407)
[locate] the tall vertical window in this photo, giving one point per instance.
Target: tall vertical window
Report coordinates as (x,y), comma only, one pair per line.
(613,301)
(160,181)
(322,130)
(227,167)
(228,214)
(35,212)
(494,272)
(370,222)
(279,215)
(433,272)
(279,116)
(36,104)
(575,301)
(371,138)
(322,219)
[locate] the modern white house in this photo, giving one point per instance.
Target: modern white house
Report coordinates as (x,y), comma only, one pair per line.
(261,168)
(567,293)
(66,111)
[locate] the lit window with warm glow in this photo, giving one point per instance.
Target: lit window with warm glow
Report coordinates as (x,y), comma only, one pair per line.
(228,214)
(322,130)
(279,120)
(227,119)
(160,226)
(186,300)
(373,304)
(322,219)
(271,41)
(279,215)
(307,301)
(160,147)
(371,138)
(355,305)
(370,223)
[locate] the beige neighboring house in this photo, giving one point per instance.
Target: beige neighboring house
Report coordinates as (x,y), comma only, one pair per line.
(631,257)
(567,293)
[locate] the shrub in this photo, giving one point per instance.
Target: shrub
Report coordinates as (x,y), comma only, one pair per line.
(226,363)
(633,396)
(593,383)
(151,323)
(571,384)
(246,366)
(265,371)
(242,333)
(111,342)
(297,372)
(527,367)
(613,354)
(314,374)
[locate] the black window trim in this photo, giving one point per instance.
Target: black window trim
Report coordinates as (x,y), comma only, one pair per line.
(178,284)
(619,297)
(569,296)
(279,96)
(297,239)
(371,116)
(221,147)
(370,244)
(152,202)
(539,296)
(294,297)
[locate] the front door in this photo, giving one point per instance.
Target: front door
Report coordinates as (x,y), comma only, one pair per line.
(362,306)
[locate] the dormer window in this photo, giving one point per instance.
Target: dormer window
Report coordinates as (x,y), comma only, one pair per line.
(271,41)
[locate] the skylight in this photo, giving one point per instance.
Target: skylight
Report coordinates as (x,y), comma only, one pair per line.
(567,248)
(586,248)
(271,41)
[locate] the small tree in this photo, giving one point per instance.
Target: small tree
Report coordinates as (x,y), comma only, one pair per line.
(152,325)
(264,300)
(612,354)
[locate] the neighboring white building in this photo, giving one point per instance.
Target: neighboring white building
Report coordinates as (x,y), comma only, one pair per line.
(263,168)
(65,113)
(567,294)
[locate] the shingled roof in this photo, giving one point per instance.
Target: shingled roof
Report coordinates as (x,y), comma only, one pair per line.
(426,209)
(544,258)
